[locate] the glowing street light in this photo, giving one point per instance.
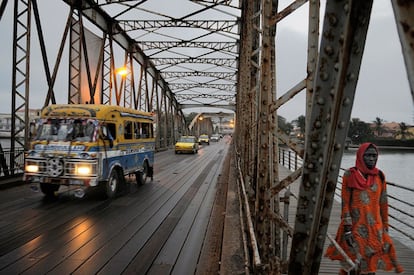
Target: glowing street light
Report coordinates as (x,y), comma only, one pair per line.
(122,71)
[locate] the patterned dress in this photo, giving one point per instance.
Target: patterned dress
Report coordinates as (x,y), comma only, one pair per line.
(367,212)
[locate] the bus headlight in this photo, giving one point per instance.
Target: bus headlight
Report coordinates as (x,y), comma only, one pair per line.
(83,170)
(32,168)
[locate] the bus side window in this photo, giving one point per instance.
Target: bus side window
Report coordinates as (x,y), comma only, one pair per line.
(147,130)
(112,129)
(137,130)
(108,131)
(128,130)
(144,130)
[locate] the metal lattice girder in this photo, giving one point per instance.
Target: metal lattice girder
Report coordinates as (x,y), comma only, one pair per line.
(20,78)
(227,47)
(75,52)
(404,11)
(343,40)
(265,138)
(220,106)
(228,76)
(189,86)
(209,25)
(181,97)
(224,62)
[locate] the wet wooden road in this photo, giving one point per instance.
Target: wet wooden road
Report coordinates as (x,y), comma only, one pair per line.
(157,228)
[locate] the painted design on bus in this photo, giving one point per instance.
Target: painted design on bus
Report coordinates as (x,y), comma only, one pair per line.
(89,146)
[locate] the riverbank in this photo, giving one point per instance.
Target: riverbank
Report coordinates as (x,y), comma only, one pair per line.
(382,147)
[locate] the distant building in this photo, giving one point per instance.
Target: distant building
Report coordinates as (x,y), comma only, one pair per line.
(6,121)
(391,130)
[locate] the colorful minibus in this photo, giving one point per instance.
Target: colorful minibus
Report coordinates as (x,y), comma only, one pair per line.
(86,145)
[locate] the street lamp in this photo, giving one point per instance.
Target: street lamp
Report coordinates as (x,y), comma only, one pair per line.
(122,71)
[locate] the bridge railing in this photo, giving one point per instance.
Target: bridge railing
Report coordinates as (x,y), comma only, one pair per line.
(6,155)
(401,210)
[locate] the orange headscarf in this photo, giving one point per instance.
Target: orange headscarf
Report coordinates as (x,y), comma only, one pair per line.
(361,177)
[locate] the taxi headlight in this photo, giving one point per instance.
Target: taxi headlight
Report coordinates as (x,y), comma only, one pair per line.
(32,168)
(83,170)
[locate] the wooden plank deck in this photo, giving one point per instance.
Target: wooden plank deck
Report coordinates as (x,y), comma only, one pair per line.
(405,255)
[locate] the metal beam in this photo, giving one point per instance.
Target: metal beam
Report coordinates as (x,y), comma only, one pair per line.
(218,106)
(334,90)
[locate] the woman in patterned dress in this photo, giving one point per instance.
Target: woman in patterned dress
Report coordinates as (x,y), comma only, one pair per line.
(363,231)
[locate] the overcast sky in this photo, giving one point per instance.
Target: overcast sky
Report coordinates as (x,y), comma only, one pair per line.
(382,89)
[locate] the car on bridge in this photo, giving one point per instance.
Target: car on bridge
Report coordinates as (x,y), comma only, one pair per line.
(215,137)
(186,144)
(204,139)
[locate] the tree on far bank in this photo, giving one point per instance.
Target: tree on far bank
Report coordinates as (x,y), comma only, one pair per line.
(301,123)
(403,132)
(285,126)
(359,131)
(379,129)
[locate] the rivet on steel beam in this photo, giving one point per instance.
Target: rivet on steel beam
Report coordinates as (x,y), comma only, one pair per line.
(318,124)
(351,76)
(329,50)
(314,145)
(321,101)
(347,101)
(328,117)
(316,180)
(333,167)
(337,146)
(342,125)
(320,159)
(332,92)
(333,20)
(310,166)
(324,76)
(346,8)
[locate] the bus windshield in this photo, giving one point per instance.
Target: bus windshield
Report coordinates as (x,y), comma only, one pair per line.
(67,130)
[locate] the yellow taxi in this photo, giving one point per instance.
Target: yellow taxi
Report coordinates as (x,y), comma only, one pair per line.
(203,139)
(186,144)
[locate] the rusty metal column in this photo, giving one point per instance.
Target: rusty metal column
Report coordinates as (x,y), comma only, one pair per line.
(274,173)
(404,18)
(253,91)
(265,140)
(20,79)
(244,103)
(75,52)
(343,40)
(313,47)
(106,92)
(158,105)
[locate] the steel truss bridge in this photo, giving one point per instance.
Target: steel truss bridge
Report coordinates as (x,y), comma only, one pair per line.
(218,54)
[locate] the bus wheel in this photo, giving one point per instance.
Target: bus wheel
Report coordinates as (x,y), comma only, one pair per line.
(49,189)
(112,184)
(142,175)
